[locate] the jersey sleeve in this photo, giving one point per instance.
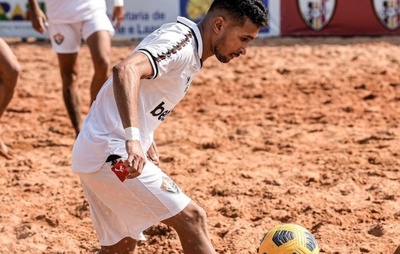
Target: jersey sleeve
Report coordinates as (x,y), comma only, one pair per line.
(169,50)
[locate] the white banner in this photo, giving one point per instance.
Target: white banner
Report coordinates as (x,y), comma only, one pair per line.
(274,29)
(143,17)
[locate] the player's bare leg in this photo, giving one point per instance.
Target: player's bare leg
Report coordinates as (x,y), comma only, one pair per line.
(100,48)
(69,69)
(9,72)
(125,246)
(191,226)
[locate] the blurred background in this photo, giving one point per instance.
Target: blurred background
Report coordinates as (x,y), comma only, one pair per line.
(287,18)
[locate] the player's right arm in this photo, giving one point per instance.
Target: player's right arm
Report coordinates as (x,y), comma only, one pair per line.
(38,18)
(126,82)
(118,13)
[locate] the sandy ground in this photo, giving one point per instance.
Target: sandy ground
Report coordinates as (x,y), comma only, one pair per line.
(303,130)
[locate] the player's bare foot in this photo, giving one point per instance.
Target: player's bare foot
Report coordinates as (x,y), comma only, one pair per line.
(5,151)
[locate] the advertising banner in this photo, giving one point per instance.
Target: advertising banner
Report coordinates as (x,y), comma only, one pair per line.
(195,10)
(287,18)
(274,29)
(340,17)
(14,19)
(143,17)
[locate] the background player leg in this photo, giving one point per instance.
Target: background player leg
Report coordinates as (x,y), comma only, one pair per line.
(9,72)
(69,68)
(100,49)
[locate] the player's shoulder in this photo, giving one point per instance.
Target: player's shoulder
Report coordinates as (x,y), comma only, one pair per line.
(175,30)
(167,36)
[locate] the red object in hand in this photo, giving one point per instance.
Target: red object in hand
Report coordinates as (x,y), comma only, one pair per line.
(119,169)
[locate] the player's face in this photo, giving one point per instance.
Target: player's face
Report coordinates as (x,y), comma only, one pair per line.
(234,41)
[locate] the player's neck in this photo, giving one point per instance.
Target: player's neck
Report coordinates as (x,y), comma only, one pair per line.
(206,39)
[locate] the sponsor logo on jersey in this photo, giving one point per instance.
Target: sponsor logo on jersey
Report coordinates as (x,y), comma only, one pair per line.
(169,185)
(58,38)
(316,13)
(388,12)
(161,110)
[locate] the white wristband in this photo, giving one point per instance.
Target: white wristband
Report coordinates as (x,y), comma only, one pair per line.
(132,133)
(118,2)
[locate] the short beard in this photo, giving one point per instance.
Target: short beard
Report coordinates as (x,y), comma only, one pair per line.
(217,48)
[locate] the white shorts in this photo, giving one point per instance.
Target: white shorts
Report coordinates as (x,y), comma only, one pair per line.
(125,209)
(67,38)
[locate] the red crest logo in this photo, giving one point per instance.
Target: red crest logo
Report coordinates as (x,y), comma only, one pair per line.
(58,38)
(316,13)
(388,12)
(169,185)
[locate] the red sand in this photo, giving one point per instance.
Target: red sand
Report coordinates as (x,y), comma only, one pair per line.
(302,130)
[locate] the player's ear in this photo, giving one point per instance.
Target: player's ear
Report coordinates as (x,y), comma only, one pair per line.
(218,24)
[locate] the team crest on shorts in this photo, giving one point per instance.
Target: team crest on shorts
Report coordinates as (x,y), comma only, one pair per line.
(169,185)
(388,12)
(58,38)
(316,13)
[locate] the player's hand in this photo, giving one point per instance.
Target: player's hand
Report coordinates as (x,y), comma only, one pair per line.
(38,20)
(136,159)
(152,154)
(118,16)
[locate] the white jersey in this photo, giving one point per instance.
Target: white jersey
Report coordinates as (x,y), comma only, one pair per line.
(174,51)
(73,11)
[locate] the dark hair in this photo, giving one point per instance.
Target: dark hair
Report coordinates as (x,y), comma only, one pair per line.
(240,10)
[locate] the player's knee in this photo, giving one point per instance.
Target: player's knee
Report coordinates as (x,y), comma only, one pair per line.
(196,215)
(69,79)
(102,65)
(11,75)
(15,70)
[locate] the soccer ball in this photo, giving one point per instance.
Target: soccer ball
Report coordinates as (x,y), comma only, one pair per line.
(288,239)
